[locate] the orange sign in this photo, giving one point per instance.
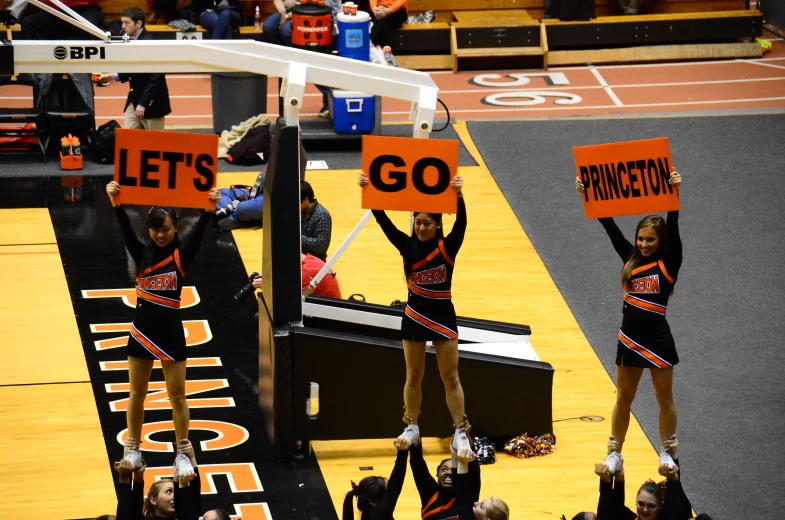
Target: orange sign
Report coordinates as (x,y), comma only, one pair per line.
(410,174)
(165,168)
(626,178)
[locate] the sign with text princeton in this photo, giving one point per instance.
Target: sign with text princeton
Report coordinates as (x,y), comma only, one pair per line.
(626,178)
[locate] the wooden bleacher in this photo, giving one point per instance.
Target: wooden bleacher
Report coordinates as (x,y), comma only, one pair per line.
(513,33)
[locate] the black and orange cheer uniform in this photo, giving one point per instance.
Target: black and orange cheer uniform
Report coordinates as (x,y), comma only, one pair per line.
(428,265)
(439,503)
(187,500)
(386,507)
(645,339)
(611,504)
(157,330)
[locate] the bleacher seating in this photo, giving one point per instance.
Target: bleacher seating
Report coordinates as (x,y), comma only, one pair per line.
(514,33)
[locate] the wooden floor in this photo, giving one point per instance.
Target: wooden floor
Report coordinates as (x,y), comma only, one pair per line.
(50,437)
(498,276)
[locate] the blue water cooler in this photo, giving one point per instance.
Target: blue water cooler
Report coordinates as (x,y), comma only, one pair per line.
(354,35)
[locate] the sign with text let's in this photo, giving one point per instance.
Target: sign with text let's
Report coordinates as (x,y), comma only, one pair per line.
(409,174)
(626,178)
(165,168)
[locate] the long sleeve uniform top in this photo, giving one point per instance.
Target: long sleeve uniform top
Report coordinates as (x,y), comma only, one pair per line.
(384,509)
(412,248)
(187,500)
(463,509)
(647,294)
(438,503)
(611,504)
(137,249)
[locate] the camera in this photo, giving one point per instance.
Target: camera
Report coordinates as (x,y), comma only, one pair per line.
(225,211)
(247,289)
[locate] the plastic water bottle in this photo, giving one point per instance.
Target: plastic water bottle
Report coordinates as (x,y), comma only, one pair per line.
(257,20)
(388,57)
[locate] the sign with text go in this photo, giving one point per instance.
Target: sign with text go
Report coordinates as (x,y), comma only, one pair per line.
(165,168)
(626,178)
(409,174)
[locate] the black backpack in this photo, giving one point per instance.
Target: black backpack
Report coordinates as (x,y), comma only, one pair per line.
(101,142)
(245,151)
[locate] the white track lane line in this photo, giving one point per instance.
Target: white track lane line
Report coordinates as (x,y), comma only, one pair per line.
(604,84)
(762,64)
(523,109)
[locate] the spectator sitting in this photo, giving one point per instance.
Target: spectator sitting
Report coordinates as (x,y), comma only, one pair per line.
(327,287)
(316,224)
(45,26)
(221,19)
(241,206)
(277,29)
(148,98)
(387,15)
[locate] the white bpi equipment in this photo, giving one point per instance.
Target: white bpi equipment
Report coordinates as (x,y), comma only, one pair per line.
(296,67)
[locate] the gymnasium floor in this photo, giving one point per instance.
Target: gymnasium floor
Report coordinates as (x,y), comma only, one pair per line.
(527,257)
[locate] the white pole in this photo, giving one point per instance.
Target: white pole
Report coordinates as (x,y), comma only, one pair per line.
(326,269)
(74,19)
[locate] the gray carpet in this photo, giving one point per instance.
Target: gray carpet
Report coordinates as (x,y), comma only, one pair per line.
(339,155)
(727,311)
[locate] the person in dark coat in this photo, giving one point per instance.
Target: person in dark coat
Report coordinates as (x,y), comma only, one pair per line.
(148,99)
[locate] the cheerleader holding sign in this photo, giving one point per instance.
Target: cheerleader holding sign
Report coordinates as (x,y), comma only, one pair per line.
(157,330)
(651,267)
(428,262)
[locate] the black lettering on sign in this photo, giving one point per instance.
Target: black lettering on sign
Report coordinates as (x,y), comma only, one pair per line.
(125,179)
(625,180)
(202,166)
(398,177)
(585,181)
(654,180)
(77,53)
(595,182)
(625,189)
(665,175)
(610,180)
(636,192)
(642,168)
(418,175)
(147,167)
(173,158)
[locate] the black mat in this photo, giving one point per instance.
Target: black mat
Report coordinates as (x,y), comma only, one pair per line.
(94,257)
(339,155)
(727,311)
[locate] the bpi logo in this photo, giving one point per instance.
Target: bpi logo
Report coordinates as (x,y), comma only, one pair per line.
(79,53)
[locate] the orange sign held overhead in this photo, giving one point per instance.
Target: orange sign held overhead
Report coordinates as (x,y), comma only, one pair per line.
(165,168)
(409,174)
(626,178)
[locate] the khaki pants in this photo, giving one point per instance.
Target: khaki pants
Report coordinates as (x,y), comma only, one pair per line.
(132,122)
